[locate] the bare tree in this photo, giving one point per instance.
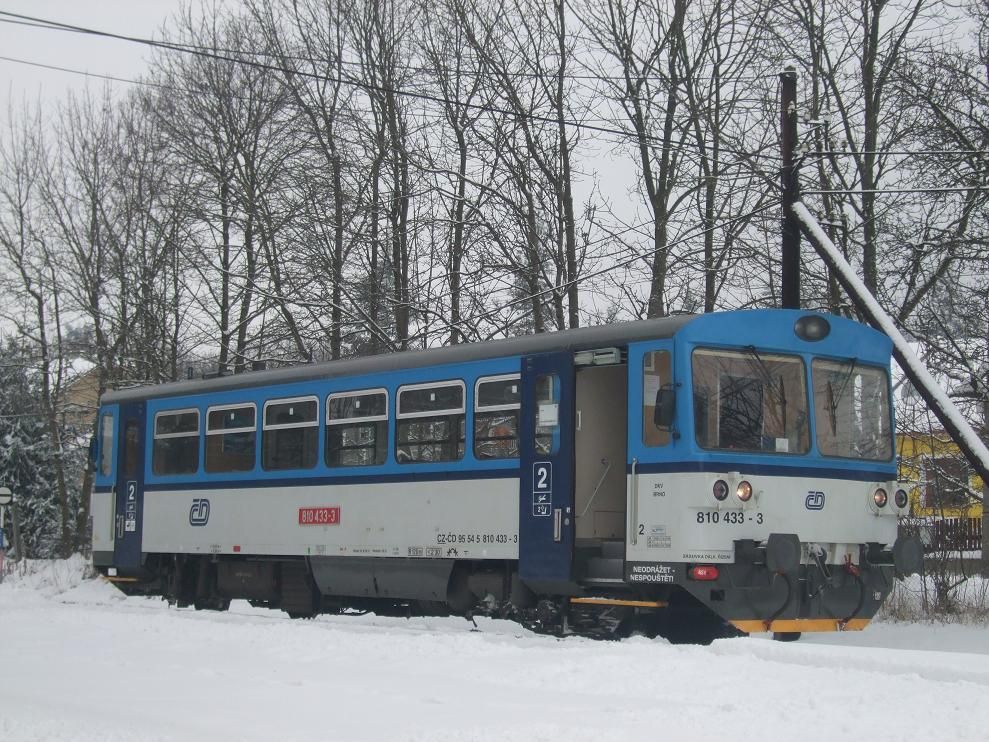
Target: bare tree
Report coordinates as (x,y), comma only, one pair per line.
(642,42)
(33,282)
(853,52)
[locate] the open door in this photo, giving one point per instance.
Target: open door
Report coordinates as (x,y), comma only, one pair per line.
(546,504)
(129,494)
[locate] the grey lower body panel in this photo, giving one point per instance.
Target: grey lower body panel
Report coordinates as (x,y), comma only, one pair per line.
(371,577)
(102,558)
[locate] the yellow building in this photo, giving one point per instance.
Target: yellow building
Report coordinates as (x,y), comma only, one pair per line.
(942,481)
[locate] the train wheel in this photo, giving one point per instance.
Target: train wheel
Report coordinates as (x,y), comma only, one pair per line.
(786,636)
(690,622)
(213,603)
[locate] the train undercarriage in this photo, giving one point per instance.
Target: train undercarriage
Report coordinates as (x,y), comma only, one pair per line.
(760,591)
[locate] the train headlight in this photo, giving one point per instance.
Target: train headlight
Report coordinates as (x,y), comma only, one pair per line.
(744,491)
(812,328)
(880,497)
(900,498)
(720,490)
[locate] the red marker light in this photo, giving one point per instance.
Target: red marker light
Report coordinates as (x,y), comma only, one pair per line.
(703,572)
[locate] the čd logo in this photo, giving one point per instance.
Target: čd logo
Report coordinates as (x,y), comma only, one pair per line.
(199,512)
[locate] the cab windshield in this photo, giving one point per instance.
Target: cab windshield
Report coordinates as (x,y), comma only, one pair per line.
(748,400)
(851,410)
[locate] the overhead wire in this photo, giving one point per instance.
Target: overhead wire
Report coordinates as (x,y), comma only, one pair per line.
(621,264)
(48,25)
(213,54)
(432,115)
(905,153)
(445,100)
(891,191)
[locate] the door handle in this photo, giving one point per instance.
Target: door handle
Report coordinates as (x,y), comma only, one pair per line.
(557,524)
(120,526)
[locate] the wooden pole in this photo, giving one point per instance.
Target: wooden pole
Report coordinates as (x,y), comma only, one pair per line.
(790,280)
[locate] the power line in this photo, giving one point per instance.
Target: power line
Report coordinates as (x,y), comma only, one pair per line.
(894,191)
(435,115)
(210,54)
(906,153)
(54,26)
(621,264)
(84,73)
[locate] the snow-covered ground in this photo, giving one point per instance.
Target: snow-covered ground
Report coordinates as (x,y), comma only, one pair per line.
(80,662)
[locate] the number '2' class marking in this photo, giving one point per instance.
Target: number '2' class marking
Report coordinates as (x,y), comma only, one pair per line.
(542,476)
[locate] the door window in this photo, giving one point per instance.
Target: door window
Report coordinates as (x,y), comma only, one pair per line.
(657,374)
(132,449)
(547,414)
(106,445)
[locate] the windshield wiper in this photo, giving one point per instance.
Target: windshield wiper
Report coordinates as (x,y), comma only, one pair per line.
(777,393)
(763,371)
(844,381)
(835,398)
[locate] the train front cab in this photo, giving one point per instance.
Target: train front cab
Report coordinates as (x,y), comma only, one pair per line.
(740,494)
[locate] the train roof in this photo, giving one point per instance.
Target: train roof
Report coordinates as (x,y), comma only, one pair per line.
(583,338)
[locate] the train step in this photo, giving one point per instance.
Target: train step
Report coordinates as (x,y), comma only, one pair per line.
(613,549)
(607,568)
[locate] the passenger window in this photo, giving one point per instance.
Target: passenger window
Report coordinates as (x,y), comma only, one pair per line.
(291,434)
(430,422)
(106,445)
(496,417)
(231,438)
(176,444)
(547,414)
(357,428)
(656,374)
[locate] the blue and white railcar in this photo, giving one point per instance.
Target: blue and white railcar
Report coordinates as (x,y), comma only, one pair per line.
(738,466)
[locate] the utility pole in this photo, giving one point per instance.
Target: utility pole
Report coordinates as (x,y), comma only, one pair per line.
(790,288)
(981,386)
(985,487)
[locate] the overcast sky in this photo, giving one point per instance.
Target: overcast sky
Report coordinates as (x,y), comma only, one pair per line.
(72,50)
